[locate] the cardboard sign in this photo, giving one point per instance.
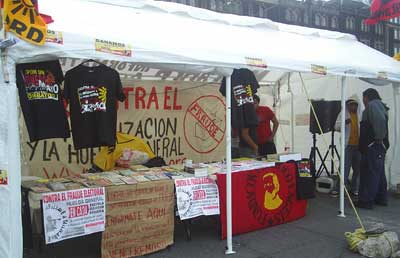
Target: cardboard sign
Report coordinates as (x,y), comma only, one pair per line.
(140,219)
(262,198)
(73,213)
(196,197)
(24,21)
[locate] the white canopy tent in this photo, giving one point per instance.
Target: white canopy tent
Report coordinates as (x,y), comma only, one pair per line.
(185,38)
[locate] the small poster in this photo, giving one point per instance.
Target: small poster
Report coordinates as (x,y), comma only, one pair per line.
(3,177)
(73,213)
(114,48)
(196,197)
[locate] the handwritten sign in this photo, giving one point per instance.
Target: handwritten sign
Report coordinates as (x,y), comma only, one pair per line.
(196,197)
(139,220)
(73,213)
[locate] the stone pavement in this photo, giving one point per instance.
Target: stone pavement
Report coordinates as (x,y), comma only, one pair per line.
(320,234)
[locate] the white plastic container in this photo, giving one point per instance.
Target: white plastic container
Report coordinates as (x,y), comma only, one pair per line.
(325,184)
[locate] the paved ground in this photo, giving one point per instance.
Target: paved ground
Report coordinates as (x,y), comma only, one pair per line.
(319,234)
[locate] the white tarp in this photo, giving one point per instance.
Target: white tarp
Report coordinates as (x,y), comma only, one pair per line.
(161,32)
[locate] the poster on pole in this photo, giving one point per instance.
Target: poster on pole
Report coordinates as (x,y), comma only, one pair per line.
(73,213)
(196,197)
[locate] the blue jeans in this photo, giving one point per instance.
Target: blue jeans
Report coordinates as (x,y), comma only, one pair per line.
(373,184)
(352,159)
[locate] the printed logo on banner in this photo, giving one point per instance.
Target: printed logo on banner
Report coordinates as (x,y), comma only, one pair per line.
(54,37)
(40,84)
(274,206)
(204,124)
(114,48)
(184,200)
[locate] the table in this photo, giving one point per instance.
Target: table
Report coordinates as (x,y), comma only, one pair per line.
(261,198)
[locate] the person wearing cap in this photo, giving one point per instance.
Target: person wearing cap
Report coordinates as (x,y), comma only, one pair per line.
(352,157)
(265,135)
(374,142)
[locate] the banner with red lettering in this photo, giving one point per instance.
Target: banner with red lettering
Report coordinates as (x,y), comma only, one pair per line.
(180,115)
(382,10)
(196,197)
(73,213)
(261,198)
(140,219)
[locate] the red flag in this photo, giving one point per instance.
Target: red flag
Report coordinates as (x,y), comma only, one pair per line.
(382,10)
(261,198)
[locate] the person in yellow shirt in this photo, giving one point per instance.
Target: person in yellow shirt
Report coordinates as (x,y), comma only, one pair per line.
(352,153)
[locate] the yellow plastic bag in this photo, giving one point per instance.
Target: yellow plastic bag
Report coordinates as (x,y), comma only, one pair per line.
(107,156)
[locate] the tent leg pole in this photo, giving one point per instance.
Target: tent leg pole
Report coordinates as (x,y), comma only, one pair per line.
(229,248)
(342,146)
(396,91)
(292,122)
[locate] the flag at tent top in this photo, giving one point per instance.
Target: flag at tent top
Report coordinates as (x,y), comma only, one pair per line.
(382,10)
(23,19)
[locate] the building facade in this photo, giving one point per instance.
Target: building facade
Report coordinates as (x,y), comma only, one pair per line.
(329,15)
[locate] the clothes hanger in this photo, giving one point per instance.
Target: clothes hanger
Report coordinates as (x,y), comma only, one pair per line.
(91,60)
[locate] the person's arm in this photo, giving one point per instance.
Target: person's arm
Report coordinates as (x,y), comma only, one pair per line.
(338,124)
(246,137)
(275,126)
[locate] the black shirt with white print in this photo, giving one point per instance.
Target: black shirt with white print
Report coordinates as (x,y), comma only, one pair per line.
(93,93)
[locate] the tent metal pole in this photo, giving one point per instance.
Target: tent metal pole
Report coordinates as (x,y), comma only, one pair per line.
(229,248)
(342,146)
(396,91)
(292,122)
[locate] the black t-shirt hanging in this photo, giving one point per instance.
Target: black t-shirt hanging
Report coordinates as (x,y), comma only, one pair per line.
(39,86)
(92,93)
(244,86)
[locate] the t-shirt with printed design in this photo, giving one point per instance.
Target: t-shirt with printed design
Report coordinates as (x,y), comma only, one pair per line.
(92,93)
(41,100)
(244,86)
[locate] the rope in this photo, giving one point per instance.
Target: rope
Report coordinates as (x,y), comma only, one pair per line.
(360,234)
(327,146)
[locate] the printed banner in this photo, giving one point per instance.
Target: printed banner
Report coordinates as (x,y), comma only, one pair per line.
(180,115)
(196,197)
(73,213)
(140,219)
(262,198)
(111,47)
(54,37)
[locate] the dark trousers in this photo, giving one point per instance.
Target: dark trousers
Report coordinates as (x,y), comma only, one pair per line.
(266,149)
(373,184)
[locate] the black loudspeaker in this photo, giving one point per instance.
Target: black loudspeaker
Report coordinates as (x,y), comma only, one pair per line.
(327,113)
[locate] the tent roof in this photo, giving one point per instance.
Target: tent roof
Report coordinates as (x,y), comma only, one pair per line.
(169,33)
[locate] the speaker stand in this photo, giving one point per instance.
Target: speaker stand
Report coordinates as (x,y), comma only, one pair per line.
(331,152)
(313,157)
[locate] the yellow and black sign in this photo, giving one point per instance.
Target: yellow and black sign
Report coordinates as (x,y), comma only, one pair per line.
(22,18)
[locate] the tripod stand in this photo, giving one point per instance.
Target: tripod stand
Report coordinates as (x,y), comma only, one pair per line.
(331,150)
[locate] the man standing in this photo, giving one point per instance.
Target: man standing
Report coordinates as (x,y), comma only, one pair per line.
(373,145)
(265,135)
(352,156)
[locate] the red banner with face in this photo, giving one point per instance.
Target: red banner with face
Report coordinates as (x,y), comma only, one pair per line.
(261,198)
(382,10)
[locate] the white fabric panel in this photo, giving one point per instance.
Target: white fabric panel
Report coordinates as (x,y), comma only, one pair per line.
(10,201)
(328,88)
(170,33)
